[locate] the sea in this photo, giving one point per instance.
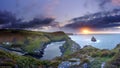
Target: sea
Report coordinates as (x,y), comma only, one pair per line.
(104,41)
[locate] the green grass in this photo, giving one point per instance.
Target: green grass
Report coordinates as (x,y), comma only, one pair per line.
(114,62)
(11,60)
(35,39)
(98,61)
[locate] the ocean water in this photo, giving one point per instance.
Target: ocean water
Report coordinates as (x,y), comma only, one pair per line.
(52,50)
(104,41)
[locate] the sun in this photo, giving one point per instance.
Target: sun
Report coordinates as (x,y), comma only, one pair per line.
(85,30)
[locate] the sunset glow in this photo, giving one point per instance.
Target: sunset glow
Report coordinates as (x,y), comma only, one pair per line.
(85,31)
(89,31)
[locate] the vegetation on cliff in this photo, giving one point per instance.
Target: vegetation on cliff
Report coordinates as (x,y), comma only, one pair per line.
(10,60)
(115,61)
(29,42)
(32,42)
(94,57)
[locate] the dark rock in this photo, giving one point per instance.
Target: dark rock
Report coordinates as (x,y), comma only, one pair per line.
(93,39)
(36,55)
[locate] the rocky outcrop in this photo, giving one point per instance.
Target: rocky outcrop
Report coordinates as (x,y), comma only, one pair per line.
(93,39)
(68,64)
(69,47)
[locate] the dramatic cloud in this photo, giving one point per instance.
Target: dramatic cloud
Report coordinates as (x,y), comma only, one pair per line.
(8,20)
(99,20)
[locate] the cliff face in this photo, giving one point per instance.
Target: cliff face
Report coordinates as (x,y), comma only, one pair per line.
(33,43)
(69,47)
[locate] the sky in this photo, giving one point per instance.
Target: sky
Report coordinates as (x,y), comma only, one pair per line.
(64,12)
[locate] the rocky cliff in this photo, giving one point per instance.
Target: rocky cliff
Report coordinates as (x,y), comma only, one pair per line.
(33,43)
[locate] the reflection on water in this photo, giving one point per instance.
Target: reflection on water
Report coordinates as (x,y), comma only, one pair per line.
(52,50)
(104,41)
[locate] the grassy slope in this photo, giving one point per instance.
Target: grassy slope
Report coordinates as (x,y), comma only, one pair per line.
(114,62)
(30,40)
(99,56)
(10,60)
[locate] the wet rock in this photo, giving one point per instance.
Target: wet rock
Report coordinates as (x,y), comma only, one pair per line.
(93,39)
